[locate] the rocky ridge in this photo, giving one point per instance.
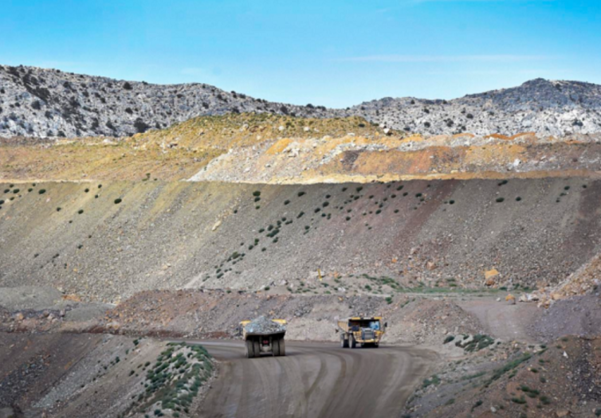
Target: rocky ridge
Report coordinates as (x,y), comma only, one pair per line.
(47,103)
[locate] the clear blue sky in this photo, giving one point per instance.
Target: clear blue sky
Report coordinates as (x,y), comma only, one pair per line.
(327,52)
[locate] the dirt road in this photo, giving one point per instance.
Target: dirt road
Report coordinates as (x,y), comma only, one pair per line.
(507,322)
(315,380)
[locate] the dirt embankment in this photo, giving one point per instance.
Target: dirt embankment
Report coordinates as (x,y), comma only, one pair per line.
(562,379)
(107,241)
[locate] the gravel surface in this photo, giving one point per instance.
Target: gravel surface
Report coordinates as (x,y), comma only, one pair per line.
(580,316)
(262,325)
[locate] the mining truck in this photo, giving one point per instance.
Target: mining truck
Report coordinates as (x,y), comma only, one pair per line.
(367,332)
(264,336)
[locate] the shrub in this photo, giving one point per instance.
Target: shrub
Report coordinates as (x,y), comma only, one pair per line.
(518,199)
(286,202)
(16,191)
(118,200)
(86,190)
(301,193)
(500,199)
(449,339)
(256,193)
(476,405)
(257,199)
(42,191)
(80,211)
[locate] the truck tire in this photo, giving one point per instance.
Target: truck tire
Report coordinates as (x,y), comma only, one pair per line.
(256,348)
(376,345)
(250,351)
(352,342)
(343,342)
(282,347)
(275,347)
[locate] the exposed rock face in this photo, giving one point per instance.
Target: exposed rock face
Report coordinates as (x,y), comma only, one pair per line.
(50,103)
(540,106)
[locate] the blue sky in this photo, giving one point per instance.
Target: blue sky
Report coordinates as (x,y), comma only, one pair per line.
(334,53)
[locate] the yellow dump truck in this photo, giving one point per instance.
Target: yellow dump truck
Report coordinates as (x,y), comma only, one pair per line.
(367,332)
(264,336)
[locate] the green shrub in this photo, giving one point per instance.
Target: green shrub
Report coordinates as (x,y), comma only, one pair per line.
(518,199)
(16,191)
(80,211)
(286,202)
(476,405)
(256,193)
(435,380)
(118,200)
(448,339)
(42,191)
(500,199)
(301,193)
(86,190)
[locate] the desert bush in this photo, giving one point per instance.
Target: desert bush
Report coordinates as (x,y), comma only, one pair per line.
(42,191)
(449,339)
(118,200)
(500,199)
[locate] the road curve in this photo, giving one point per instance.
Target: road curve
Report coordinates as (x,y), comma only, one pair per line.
(315,380)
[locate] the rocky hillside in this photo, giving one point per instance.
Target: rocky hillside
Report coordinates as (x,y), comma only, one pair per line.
(541,106)
(109,240)
(50,103)
(46,103)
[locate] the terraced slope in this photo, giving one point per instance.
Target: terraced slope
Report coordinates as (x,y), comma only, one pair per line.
(110,240)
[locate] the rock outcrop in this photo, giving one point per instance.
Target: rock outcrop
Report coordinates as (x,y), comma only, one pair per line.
(46,103)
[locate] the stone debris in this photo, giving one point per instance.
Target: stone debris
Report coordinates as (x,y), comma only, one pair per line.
(263,325)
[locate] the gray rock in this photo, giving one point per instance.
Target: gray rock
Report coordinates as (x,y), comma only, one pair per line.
(46,103)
